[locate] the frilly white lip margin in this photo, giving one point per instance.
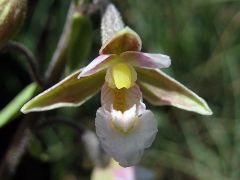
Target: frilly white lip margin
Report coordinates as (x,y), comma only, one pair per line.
(125,147)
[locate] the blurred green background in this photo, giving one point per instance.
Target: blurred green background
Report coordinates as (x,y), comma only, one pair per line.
(202,37)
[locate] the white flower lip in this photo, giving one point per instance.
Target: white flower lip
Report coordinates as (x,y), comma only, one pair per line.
(128,148)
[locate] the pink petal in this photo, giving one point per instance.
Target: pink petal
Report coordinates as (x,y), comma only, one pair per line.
(120,173)
(114,172)
(146,60)
(99,63)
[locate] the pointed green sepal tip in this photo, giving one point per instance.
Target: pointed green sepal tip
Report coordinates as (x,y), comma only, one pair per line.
(70,92)
(124,40)
(160,89)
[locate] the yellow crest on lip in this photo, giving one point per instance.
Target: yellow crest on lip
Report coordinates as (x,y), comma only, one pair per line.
(122,75)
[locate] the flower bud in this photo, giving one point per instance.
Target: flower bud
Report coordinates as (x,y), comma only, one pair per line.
(79,43)
(12,14)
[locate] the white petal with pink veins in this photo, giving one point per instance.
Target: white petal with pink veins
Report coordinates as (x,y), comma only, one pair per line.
(131,96)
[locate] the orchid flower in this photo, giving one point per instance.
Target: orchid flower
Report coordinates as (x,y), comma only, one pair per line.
(125,75)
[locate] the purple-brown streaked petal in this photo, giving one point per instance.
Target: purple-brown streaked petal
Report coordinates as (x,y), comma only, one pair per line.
(71,92)
(99,63)
(160,89)
(146,60)
(129,97)
(124,40)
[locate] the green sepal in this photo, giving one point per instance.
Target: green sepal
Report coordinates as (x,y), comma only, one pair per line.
(70,92)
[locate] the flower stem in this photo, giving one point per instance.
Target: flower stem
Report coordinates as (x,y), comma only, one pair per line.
(13,46)
(57,63)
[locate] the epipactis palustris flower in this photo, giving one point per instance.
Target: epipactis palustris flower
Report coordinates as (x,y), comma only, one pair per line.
(123,124)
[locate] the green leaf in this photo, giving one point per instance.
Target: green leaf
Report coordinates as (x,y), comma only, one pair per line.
(70,92)
(160,89)
(12,110)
